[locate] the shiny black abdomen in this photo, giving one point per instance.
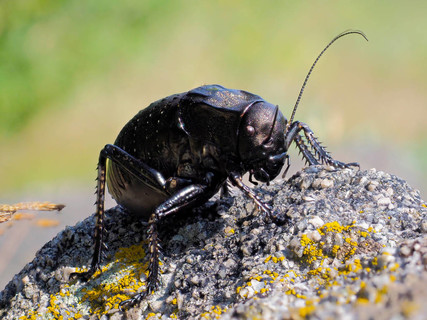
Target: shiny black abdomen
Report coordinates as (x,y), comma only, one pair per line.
(152,136)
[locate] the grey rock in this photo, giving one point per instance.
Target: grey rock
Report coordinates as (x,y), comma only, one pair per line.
(354,247)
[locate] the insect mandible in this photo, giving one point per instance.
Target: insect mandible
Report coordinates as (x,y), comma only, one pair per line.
(179,152)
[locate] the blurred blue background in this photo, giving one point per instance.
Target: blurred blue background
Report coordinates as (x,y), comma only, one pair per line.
(72,73)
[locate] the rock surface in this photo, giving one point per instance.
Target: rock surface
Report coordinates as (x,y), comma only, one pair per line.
(355,248)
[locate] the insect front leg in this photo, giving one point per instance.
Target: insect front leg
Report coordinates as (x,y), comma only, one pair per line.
(137,168)
(318,154)
(308,156)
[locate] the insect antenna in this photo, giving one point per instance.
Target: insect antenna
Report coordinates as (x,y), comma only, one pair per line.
(312,67)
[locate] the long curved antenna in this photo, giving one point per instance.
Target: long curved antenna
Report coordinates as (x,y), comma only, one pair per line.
(312,67)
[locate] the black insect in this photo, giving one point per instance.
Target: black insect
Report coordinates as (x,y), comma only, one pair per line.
(180,151)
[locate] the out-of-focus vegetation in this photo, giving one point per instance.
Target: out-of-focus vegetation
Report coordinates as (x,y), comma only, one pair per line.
(7,211)
(72,73)
(51,47)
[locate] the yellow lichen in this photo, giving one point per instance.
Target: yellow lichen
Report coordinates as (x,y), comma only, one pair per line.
(335,249)
(101,295)
(229,230)
(306,311)
(334,226)
(380,293)
(375,261)
(214,313)
(394,267)
(409,308)
(362,300)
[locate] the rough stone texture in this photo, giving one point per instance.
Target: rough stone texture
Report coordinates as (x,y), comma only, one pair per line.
(355,248)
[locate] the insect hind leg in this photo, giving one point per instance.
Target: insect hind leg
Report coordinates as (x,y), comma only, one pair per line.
(135,167)
(99,224)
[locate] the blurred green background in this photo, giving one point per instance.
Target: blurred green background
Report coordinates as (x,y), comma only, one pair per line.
(72,73)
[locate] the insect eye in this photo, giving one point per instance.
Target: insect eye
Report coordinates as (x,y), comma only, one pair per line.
(250,131)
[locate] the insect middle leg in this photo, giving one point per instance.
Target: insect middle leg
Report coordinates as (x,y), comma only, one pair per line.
(187,197)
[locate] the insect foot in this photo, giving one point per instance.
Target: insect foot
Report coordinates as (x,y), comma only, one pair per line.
(280,219)
(127,304)
(82,276)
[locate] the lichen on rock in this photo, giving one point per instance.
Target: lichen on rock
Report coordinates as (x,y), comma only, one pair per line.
(355,245)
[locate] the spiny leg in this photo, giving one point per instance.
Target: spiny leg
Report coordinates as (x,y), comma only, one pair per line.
(185,198)
(134,166)
(308,156)
(319,151)
(323,155)
(99,225)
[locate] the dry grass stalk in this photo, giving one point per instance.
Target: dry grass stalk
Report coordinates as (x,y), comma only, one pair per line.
(7,211)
